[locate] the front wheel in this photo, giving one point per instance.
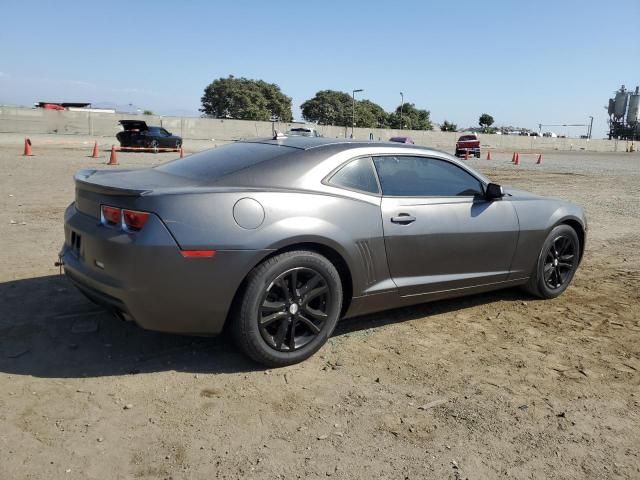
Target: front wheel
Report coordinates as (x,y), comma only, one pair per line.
(557,263)
(289,308)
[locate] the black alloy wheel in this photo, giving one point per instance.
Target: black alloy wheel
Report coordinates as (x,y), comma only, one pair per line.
(559,262)
(288,308)
(294,309)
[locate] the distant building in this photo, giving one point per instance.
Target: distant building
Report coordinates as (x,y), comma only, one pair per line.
(72,107)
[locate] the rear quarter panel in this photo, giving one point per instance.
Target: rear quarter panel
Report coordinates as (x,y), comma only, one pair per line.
(351,227)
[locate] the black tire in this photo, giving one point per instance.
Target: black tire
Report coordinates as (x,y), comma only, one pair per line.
(477,154)
(557,263)
(178,143)
(269,308)
(153,144)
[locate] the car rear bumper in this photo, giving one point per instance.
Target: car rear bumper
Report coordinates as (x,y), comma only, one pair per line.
(471,150)
(145,278)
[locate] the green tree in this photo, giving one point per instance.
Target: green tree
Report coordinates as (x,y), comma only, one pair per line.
(412,118)
(485,121)
(448,127)
(245,99)
(370,115)
(328,107)
(147,112)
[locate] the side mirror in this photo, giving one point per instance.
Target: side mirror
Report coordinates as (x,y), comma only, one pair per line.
(493,191)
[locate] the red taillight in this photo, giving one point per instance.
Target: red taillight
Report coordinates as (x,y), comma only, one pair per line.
(197,253)
(111,215)
(134,220)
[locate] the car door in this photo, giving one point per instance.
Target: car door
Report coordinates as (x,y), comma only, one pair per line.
(164,139)
(440,232)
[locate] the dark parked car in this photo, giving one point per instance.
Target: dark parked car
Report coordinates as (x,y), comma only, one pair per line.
(277,239)
(303,132)
(408,140)
(136,133)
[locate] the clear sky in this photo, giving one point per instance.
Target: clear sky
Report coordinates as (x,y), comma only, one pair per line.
(523,62)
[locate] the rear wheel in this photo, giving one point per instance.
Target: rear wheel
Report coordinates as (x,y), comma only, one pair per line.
(288,309)
(557,263)
(154,145)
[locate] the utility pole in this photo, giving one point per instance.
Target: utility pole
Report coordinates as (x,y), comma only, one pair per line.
(401,106)
(353,117)
(590,127)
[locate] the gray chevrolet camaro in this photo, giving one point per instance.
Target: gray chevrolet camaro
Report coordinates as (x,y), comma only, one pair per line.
(276,239)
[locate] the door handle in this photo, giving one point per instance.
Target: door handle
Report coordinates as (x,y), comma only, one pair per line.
(403,219)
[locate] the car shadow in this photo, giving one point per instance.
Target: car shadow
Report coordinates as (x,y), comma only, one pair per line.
(49,329)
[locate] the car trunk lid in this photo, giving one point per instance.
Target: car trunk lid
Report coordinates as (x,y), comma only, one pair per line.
(122,188)
(134,125)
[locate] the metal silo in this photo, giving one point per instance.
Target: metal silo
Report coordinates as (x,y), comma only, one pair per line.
(620,103)
(634,104)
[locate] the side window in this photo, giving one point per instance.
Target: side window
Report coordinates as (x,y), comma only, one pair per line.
(424,177)
(356,175)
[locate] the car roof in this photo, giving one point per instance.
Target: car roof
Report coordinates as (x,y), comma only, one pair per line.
(338,144)
(287,162)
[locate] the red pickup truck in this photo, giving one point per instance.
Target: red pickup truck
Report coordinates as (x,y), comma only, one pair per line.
(468,143)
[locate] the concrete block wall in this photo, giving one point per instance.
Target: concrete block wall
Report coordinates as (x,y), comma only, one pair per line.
(37,121)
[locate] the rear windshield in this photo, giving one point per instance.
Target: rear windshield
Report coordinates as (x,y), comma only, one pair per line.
(467,137)
(221,161)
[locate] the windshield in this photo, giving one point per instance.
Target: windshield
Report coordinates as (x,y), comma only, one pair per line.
(218,162)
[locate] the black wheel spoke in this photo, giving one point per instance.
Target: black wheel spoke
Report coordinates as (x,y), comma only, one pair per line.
(315,293)
(311,283)
(292,335)
(269,319)
(318,314)
(293,284)
(282,284)
(281,334)
(312,326)
(268,306)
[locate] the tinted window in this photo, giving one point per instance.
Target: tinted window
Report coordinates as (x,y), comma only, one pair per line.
(424,177)
(357,175)
(221,161)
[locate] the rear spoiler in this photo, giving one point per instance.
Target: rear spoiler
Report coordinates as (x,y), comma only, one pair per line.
(81,179)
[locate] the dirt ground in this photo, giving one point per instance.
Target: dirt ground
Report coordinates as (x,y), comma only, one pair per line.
(495,385)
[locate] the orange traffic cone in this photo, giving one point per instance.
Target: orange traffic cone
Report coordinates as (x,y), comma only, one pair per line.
(113,159)
(466,154)
(517,162)
(27,148)
(513,158)
(181,152)
(489,155)
(539,159)
(94,154)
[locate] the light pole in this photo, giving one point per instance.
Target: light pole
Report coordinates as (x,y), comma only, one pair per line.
(353,117)
(401,106)
(590,127)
